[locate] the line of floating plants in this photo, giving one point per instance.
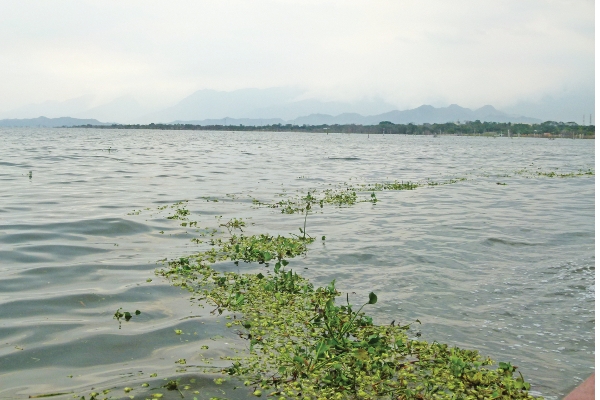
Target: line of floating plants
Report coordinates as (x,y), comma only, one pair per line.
(346,195)
(304,342)
(555,174)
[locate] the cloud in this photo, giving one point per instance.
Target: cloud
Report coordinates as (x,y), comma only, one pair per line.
(408,52)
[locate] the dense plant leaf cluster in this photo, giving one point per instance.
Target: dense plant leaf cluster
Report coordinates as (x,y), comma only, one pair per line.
(303,344)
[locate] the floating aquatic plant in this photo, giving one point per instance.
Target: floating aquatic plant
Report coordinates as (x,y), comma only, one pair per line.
(304,343)
(126,315)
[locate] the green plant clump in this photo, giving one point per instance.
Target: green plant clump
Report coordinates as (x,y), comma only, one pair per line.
(303,344)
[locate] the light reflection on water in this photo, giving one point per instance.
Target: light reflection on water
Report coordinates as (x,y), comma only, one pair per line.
(508,270)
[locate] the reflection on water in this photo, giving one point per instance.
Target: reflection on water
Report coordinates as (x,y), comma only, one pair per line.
(506,269)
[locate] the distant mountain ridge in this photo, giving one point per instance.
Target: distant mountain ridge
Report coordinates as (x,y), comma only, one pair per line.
(420,115)
(273,103)
(296,105)
(48,122)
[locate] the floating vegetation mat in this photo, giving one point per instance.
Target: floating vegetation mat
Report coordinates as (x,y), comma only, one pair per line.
(555,174)
(307,342)
(304,342)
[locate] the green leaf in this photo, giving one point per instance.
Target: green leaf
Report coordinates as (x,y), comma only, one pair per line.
(361,354)
(298,359)
(372,298)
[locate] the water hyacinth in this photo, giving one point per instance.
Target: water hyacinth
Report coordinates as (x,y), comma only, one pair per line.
(304,343)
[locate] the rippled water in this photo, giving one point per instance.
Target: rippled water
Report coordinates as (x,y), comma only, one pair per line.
(505,269)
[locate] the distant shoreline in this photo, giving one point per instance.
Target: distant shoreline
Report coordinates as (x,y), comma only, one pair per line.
(547,130)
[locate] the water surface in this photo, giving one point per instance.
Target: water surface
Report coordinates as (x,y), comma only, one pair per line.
(505,269)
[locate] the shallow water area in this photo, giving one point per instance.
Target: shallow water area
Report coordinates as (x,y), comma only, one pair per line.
(504,269)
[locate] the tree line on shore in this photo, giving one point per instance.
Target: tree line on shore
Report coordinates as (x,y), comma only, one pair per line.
(548,128)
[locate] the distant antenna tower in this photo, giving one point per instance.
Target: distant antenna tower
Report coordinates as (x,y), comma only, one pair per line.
(590,119)
(583,120)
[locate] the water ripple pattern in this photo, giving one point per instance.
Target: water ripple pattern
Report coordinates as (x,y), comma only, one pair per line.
(505,269)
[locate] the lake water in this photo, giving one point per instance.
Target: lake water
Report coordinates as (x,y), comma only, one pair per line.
(505,269)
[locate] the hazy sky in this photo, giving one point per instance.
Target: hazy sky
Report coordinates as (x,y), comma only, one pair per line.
(407,52)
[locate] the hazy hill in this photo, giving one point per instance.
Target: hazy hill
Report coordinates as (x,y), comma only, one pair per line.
(293,105)
(273,103)
(213,104)
(51,108)
(48,122)
(452,113)
(121,109)
(419,115)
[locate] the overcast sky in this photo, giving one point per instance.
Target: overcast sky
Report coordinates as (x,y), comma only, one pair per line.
(407,52)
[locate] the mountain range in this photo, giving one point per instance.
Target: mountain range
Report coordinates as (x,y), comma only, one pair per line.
(419,115)
(248,107)
(43,122)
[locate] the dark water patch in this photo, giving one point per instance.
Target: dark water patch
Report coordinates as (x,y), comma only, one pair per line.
(72,174)
(507,242)
(345,158)
(81,271)
(24,335)
(108,227)
(36,237)
(81,304)
(16,257)
(118,347)
(468,228)
(16,208)
(62,251)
